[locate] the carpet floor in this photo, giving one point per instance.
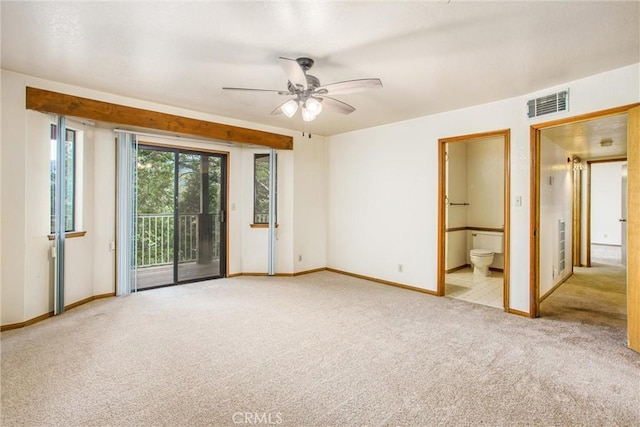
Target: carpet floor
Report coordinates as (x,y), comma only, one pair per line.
(321,349)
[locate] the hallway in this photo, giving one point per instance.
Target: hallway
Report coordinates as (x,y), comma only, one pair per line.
(594,296)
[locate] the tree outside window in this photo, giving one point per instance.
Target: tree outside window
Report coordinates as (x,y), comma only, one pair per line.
(69,181)
(261,189)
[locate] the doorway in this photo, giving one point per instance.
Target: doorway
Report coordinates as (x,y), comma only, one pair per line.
(180,235)
(587,139)
(606,212)
(474,212)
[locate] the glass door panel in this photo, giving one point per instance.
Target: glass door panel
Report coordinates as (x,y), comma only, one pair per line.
(180,232)
(154,217)
(199,216)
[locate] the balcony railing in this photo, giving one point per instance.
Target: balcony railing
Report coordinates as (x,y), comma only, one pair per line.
(155,237)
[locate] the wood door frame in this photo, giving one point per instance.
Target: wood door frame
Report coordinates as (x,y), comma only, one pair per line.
(534,221)
(442,180)
(588,202)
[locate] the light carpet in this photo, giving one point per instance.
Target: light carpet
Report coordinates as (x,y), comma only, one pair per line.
(316,350)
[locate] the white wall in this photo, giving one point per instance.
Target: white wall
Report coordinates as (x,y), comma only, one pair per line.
(606,203)
(26,273)
(485,183)
(383,183)
(310,211)
(556,198)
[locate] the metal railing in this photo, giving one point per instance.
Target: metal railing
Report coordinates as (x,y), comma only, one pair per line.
(155,237)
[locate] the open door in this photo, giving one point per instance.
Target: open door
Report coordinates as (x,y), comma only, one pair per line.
(633,229)
(623,217)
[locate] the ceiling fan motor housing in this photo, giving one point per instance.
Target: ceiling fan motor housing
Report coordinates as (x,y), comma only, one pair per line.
(305,63)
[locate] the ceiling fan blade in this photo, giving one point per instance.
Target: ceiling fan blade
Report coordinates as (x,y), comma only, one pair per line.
(246,89)
(294,72)
(337,106)
(349,86)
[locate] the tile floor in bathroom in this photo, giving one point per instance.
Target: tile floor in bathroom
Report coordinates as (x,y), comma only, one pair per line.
(466,286)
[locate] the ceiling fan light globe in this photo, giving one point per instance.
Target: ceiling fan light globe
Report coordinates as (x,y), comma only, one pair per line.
(290,107)
(307,115)
(313,106)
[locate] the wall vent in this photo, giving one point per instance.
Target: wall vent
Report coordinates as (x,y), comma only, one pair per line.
(561,245)
(548,104)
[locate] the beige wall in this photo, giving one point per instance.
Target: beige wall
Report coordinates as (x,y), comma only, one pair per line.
(385,211)
(26,276)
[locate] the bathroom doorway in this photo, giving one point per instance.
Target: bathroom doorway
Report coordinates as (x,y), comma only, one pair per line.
(473,218)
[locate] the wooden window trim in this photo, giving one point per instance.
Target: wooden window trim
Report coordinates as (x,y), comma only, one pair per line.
(69,235)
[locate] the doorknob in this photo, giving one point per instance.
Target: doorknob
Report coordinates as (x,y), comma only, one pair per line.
(622,220)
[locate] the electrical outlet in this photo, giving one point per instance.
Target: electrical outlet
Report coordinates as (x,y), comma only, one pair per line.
(299,258)
(400,268)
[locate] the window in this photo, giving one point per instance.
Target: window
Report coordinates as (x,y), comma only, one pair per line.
(261,189)
(69,181)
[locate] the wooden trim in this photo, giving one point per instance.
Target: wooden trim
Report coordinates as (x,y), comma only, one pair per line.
(451,230)
(608,159)
(26,323)
(576,218)
(68,105)
(534,221)
(261,225)
(585,117)
(506,282)
(384,282)
(494,230)
(633,229)
(50,314)
(68,235)
(556,286)
(315,270)
(231,276)
(299,273)
(442,179)
(518,312)
(89,299)
(472,136)
(588,214)
(454,269)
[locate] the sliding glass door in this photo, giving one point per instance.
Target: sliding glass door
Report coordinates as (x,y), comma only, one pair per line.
(180,230)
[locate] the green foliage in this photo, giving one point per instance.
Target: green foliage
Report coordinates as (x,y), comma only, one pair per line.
(155,200)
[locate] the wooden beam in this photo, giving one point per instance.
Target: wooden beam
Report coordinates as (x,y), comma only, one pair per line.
(69,105)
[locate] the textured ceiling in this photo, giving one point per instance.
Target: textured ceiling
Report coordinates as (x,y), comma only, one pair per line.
(431,56)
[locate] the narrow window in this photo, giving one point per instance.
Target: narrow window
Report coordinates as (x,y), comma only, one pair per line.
(69,181)
(261,189)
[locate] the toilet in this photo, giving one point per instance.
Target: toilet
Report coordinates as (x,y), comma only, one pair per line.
(485,245)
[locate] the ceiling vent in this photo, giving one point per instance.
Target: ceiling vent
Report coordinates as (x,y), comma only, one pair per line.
(548,104)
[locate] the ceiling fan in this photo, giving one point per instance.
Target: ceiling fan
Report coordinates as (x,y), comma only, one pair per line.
(309,93)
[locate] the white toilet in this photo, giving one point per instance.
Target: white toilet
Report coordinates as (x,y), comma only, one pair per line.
(485,245)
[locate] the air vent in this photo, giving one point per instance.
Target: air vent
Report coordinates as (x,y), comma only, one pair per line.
(548,104)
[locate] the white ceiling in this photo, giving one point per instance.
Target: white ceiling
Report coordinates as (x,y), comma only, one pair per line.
(431,56)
